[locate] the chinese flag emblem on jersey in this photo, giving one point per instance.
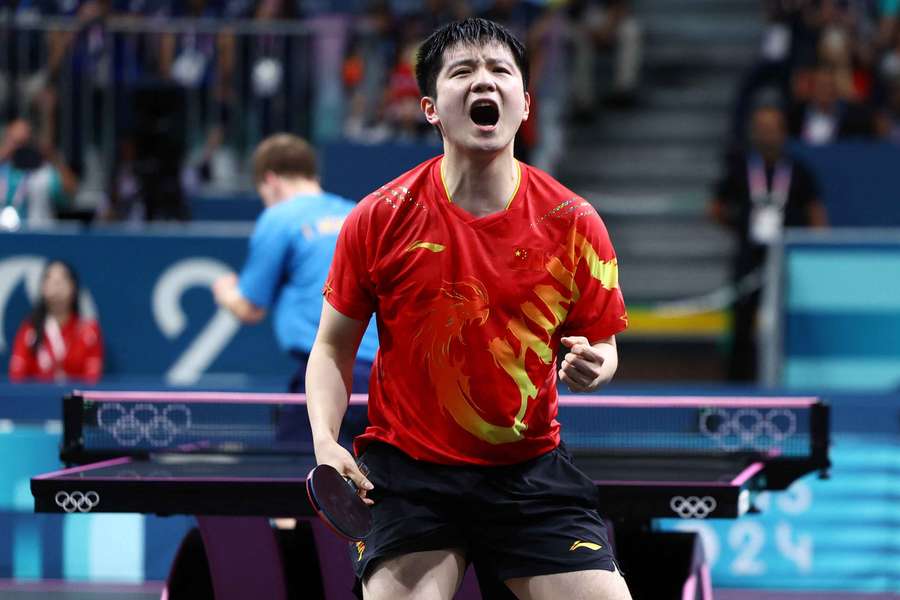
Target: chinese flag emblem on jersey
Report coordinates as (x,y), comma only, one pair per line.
(527,259)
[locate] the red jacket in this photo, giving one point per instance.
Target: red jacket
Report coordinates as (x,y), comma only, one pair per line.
(73,351)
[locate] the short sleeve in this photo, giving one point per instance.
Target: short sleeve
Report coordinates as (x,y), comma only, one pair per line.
(350,288)
(599,309)
(270,245)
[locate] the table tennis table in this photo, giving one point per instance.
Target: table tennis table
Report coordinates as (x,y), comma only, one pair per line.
(221,457)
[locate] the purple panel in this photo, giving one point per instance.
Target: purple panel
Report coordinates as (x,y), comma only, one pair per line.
(469,588)
(334,562)
(243,556)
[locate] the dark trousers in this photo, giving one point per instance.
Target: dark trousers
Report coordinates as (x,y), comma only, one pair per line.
(742,361)
(293,421)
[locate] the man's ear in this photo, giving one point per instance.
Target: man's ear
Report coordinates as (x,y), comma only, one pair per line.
(527,107)
(273,182)
(429,108)
(268,177)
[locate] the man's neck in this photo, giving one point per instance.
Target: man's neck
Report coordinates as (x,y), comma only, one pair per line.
(771,156)
(480,186)
(291,188)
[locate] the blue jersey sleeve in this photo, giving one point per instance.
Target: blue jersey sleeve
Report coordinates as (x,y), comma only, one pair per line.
(270,246)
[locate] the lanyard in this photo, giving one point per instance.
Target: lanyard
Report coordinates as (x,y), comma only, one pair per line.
(760,194)
(21,190)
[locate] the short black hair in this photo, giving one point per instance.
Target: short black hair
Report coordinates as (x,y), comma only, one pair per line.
(472,30)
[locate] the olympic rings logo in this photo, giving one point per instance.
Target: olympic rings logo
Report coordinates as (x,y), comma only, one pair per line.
(77,501)
(748,428)
(693,507)
(144,422)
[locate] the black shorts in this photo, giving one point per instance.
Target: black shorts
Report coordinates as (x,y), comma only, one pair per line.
(533,518)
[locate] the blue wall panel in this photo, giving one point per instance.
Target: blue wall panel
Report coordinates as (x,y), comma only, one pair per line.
(151,295)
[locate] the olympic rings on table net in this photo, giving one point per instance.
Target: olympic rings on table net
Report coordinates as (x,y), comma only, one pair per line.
(693,507)
(748,428)
(144,422)
(77,501)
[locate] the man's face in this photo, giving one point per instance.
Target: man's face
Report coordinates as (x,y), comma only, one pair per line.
(825,92)
(480,102)
(768,131)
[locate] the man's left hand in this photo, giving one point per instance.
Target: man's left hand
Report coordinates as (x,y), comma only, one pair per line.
(583,366)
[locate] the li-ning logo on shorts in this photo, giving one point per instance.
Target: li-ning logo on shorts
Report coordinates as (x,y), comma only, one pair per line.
(589,545)
(693,507)
(360,548)
(130,426)
(77,501)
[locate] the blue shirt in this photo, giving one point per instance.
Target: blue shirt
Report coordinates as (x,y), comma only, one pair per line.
(290,255)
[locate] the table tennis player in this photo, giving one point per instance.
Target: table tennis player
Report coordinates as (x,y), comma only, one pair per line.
(478,268)
(289,254)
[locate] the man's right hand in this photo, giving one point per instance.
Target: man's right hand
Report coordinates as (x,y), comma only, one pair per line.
(332,453)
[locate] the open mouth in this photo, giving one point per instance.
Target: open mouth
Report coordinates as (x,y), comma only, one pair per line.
(484,113)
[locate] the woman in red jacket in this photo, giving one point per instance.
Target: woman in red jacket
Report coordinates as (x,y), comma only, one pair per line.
(54,343)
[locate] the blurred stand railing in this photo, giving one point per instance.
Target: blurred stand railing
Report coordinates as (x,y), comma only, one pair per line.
(150,95)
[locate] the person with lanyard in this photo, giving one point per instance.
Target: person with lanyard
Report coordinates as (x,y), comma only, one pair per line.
(763,191)
(56,342)
(478,268)
(290,252)
(32,187)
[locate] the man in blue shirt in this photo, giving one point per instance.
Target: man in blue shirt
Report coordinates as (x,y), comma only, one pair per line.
(290,255)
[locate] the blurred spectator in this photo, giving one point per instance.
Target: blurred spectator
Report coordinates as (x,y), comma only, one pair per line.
(435,13)
(365,72)
(266,56)
(77,72)
(763,190)
(612,27)
(802,39)
(823,116)
(55,343)
(402,111)
(518,16)
(549,85)
(772,69)
(16,134)
(200,58)
(34,183)
(124,199)
(145,179)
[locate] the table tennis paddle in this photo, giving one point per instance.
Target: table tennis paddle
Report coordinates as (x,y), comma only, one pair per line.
(337,503)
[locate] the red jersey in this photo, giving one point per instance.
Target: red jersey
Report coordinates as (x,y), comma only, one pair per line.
(470,312)
(73,351)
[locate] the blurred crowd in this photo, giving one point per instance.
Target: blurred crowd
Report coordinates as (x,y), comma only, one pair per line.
(147,100)
(833,65)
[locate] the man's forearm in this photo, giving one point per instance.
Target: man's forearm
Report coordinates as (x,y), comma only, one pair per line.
(329,377)
(240,307)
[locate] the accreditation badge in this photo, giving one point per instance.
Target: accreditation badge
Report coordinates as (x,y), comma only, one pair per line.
(765,224)
(9,219)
